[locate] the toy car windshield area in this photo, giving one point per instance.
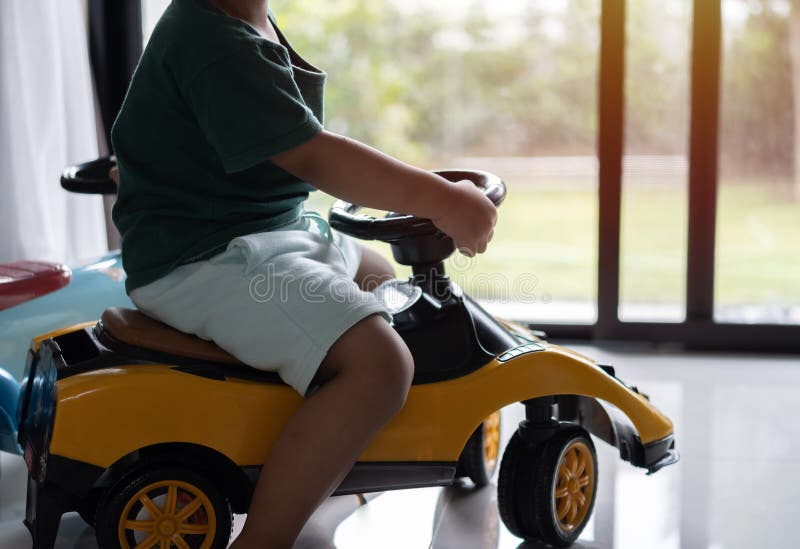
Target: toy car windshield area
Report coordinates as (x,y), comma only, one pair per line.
(398,295)
(152,434)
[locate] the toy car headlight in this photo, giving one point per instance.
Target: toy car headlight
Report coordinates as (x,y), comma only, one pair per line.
(397,295)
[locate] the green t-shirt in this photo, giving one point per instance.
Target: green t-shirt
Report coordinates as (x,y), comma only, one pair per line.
(209,103)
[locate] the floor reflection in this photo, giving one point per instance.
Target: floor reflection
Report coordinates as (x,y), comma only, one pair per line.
(737,484)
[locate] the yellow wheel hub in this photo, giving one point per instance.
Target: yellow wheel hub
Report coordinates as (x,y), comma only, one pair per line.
(573,488)
(164,514)
(166,527)
(491,440)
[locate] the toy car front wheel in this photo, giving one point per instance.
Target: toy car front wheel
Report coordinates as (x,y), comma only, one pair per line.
(547,491)
(164,507)
(514,488)
(479,458)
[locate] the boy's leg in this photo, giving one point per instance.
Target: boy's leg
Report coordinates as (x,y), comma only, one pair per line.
(366,376)
(373,270)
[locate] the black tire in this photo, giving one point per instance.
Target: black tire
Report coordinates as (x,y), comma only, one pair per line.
(474,462)
(526,487)
(567,444)
(514,488)
(213,514)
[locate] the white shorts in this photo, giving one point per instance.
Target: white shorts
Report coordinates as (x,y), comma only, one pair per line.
(275,300)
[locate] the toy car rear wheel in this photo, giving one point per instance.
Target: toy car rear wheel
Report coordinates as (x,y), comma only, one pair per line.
(164,507)
(547,491)
(480,456)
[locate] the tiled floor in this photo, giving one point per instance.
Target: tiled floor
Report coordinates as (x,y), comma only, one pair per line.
(737,421)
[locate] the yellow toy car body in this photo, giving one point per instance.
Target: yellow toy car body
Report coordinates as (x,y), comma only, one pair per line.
(117,412)
(143,405)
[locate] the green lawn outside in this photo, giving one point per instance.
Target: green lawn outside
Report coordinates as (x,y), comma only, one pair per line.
(546,245)
(758,247)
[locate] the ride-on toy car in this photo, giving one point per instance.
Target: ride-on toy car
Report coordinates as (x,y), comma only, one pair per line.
(156,437)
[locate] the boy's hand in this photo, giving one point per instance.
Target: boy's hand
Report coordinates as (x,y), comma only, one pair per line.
(469,218)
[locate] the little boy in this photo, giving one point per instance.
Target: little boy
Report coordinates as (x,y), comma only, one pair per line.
(219,141)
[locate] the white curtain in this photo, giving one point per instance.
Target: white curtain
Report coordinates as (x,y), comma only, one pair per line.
(47,121)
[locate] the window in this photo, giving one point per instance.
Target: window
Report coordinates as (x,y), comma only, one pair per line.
(758,224)
(655,165)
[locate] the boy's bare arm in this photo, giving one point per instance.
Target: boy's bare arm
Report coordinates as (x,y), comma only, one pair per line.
(360,174)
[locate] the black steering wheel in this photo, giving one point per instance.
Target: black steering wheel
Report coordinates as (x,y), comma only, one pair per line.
(90,177)
(347,218)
